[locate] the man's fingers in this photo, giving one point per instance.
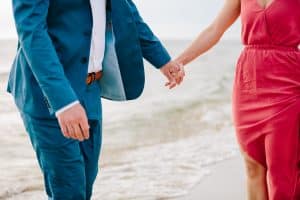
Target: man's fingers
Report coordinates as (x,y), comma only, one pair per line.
(74,123)
(64,130)
(85,128)
(78,133)
(69,131)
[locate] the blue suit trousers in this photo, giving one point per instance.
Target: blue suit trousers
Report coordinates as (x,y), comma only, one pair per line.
(69,167)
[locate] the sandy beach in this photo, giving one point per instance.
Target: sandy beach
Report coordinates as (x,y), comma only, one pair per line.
(167,145)
(227,181)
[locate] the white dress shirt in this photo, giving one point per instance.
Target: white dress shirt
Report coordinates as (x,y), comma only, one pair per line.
(97,42)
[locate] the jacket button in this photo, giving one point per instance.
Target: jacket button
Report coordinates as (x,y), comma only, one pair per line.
(46,101)
(84,60)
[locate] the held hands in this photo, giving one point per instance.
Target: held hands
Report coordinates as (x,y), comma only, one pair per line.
(74,123)
(174,72)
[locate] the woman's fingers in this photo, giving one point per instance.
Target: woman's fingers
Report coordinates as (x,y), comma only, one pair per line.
(181,76)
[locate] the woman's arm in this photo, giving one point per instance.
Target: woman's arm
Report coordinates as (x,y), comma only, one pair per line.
(212,34)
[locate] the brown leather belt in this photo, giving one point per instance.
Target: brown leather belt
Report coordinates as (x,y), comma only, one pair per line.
(94,76)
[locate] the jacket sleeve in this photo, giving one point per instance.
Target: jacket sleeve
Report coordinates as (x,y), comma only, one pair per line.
(152,49)
(31,23)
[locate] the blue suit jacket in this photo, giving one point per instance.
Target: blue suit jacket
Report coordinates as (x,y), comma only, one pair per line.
(51,64)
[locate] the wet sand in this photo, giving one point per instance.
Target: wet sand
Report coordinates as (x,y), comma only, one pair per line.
(227,181)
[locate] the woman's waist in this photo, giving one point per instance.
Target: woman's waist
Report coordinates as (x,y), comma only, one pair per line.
(277,47)
(273,55)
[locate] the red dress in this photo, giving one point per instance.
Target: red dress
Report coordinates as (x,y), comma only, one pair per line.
(266,93)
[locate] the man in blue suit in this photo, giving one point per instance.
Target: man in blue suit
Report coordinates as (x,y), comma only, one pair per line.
(70,54)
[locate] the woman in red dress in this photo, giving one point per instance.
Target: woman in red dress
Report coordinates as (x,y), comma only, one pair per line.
(266,91)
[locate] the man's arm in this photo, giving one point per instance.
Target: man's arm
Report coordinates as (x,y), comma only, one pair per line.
(30,18)
(154,52)
(152,49)
(31,23)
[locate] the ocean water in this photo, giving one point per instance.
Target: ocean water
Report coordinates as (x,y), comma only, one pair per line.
(174,19)
(158,147)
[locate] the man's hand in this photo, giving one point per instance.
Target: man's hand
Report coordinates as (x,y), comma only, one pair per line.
(74,123)
(174,73)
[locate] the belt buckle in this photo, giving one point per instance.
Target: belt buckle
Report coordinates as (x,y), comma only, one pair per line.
(91,78)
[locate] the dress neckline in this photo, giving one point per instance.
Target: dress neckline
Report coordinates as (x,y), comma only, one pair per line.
(267,6)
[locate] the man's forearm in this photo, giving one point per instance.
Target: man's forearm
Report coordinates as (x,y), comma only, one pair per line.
(30,17)
(152,48)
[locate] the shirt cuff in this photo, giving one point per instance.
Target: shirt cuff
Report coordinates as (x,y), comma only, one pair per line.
(57,113)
